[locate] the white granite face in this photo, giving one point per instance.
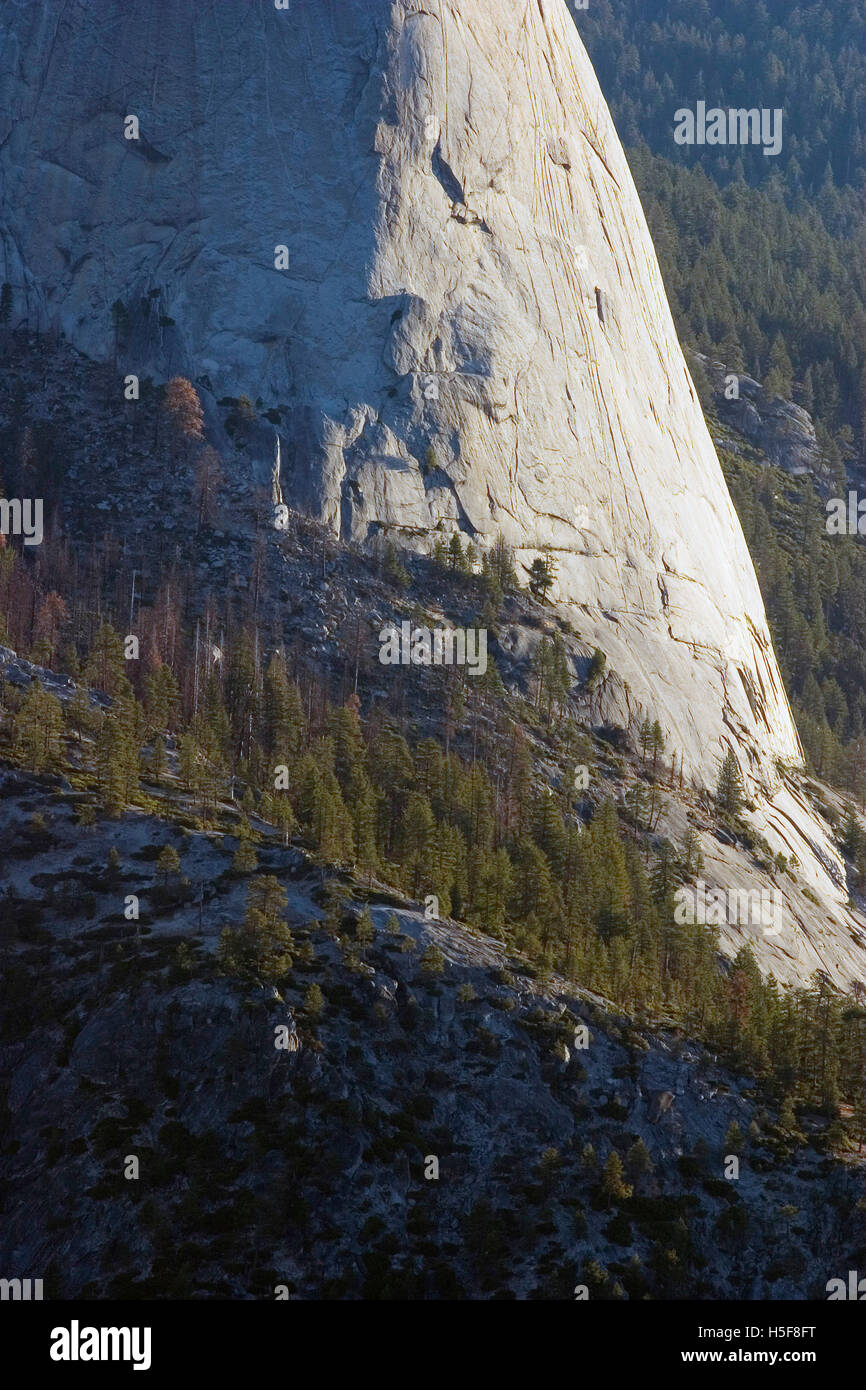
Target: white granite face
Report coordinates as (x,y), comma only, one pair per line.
(469,271)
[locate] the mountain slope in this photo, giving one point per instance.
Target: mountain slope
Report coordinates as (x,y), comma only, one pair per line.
(471,333)
(435,1125)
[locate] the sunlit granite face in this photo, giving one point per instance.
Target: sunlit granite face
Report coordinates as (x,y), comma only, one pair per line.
(466,326)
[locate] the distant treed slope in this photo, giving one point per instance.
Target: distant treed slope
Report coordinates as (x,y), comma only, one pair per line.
(814,589)
(782,280)
(779,273)
(652,56)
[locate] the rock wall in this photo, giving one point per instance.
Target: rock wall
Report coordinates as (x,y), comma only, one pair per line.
(471,332)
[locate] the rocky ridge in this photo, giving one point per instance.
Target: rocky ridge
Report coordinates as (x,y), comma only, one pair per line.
(305,1168)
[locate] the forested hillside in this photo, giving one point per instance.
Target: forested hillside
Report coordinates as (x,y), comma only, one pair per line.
(430,782)
(763,258)
(652,56)
(814,588)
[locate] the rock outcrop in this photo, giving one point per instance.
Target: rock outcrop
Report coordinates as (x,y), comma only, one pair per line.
(469,273)
(305,1164)
(782,430)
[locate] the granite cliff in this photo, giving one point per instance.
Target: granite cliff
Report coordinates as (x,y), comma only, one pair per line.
(470,330)
(469,272)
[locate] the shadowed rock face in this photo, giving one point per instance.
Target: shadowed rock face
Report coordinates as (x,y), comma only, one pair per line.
(262,1164)
(470,272)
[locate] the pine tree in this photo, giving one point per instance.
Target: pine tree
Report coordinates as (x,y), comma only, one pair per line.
(282,815)
(282,715)
(245,859)
(456,559)
(542,576)
(597,664)
(534,890)
(692,858)
(393,773)
(182,414)
(646,738)
(415,834)
(636,801)
(780,377)
(549,833)
(502,566)
(729,793)
(241,695)
(129,719)
(50,617)
(105,667)
(588,1160)
(314,1001)
(478,818)
(363,813)
(308,795)
(394,568)
(788,1116)
(349,750)
(638,1163)
(734,1141)
(541,670)
(332,826)
(213,727)
(657,742)
(167,865)
(432,961)
(613,1188)
(664,877)
(611,906)
(189,762)
(365,930)
(732,354)
(440,554)
(112,764)
(79,714)
(262,948)
(549,1168)
(492,885)
(161,698)
(39,728)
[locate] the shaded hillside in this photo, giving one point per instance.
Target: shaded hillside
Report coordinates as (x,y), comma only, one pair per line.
(404,1110)
(810,59)
(762,257)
